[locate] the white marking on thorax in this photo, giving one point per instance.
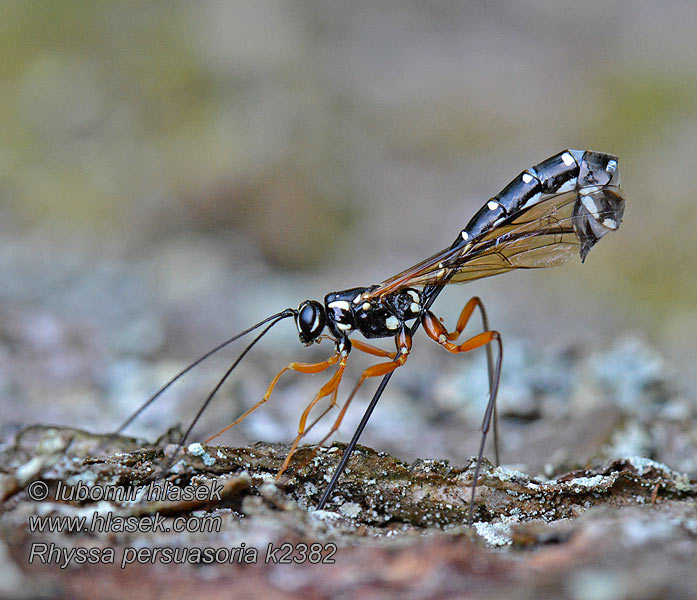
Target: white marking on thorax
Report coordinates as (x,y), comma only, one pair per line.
(357,299)
(414,295)
(492,204)
(340,304)
(611,166)
(568,159)
(343,326)
(414,307)
(366,306)
(610,223)
(391,322)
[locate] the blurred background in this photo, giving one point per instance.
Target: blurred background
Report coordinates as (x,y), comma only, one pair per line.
(173,172)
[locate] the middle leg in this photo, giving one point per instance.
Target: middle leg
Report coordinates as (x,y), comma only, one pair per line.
(331,387)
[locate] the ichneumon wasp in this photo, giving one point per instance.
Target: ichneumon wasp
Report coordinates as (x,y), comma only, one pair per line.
(562,205)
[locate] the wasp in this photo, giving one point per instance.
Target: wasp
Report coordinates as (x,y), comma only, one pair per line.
(560,206)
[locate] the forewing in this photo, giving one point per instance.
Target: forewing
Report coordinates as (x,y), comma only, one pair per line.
(543,235)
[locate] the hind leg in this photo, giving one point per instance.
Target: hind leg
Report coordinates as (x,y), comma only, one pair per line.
(437,332)
(331,387)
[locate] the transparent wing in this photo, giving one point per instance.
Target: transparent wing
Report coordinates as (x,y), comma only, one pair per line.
(543,235)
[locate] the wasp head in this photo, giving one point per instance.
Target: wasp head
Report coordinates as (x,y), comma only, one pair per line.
(310,320)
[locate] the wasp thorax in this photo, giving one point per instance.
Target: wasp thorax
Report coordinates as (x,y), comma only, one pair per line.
(310,321)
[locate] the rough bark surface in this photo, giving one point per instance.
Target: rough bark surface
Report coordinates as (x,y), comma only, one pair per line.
(625,529)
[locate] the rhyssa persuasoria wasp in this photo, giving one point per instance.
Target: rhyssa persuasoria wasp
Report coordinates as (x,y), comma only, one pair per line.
(562,205)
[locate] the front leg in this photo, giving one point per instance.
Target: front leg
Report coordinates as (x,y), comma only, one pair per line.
(309,368)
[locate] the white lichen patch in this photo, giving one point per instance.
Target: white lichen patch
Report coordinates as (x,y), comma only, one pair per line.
(505,474)
(197,450)
(496,534)
(265,477)
(350,509)
(325,515)
(642,465)
(586,482)
(682,483)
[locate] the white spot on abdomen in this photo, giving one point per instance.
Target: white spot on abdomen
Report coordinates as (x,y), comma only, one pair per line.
(492,204)
(567,159)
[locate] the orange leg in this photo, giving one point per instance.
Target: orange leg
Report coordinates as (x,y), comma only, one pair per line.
(437,332)
(403,342)
(302,431)
(331,387)
(363,347)
(453,335)
(368,349)
(465,317)
(294,366)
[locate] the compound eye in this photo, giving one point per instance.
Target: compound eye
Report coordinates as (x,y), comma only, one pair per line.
(311,320)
